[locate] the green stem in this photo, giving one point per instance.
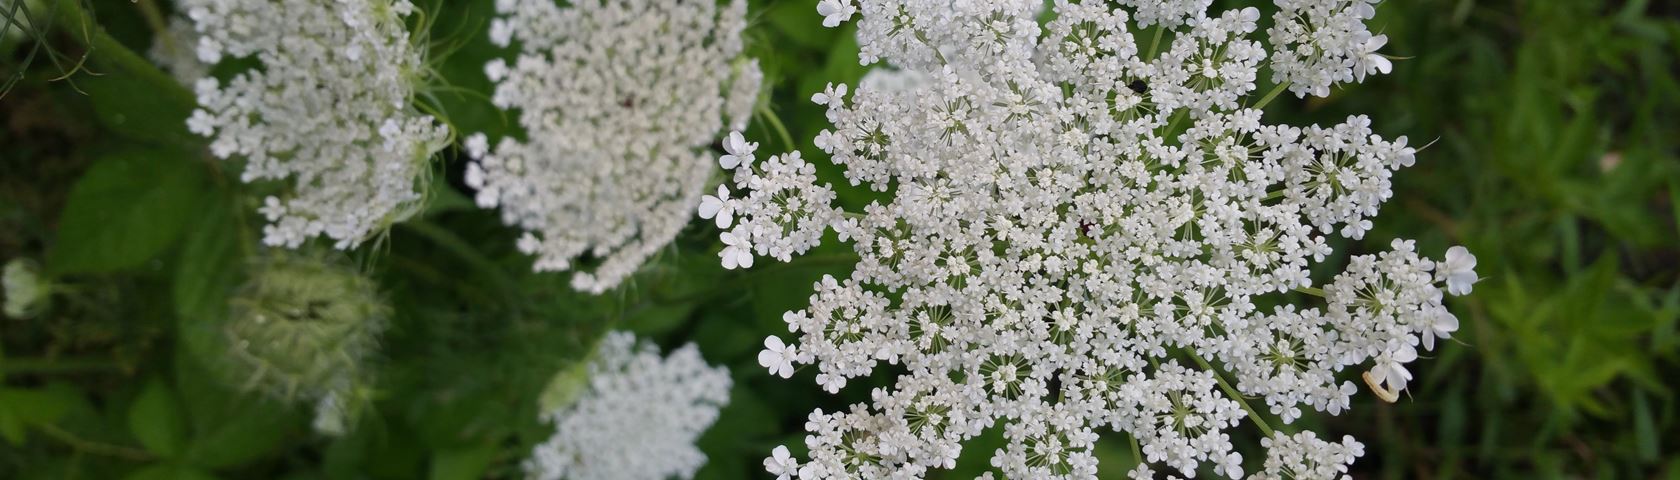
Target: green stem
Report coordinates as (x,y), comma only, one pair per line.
(113,54)
(1276,90)
(776,124)
(1314,291)
(97,448)
(456,245)
(1137,453)
(10,366)
(1253,416)
(1156,43)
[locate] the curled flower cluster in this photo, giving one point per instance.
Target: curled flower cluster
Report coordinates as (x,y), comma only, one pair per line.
(303,327)
(636,419)
(1079,230)
(620,101)
(330,110)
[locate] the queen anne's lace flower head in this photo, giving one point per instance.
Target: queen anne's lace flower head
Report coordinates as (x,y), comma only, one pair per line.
(330,111)
(303,328)
(619,100)
(1081,229)
(636,419)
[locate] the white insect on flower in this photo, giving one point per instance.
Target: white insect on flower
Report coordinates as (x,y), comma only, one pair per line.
(636,419)
(620,102)
(330,111)
(1079,229)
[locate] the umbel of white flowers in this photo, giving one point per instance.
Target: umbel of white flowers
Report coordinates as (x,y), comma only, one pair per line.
(330,111)
(631,415)
(1080,221)
(620,101)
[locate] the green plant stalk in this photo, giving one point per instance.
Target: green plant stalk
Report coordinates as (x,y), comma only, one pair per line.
(111,53)
(1253,416)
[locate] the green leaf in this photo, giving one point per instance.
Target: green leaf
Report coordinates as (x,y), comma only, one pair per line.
(169,471)
(155,420)
(20,408)
(155,119)
(226,427)
(209,266)
(462,464)
(125,210)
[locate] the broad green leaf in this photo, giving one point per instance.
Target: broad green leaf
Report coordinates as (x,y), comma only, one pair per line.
(21,408)
(125,210)
(227,427)
(209,263)
(143,116)
(155,420)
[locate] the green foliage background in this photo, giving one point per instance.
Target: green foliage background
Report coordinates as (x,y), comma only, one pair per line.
(1555,128)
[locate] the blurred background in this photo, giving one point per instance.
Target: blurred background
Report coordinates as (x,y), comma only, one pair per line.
(1553,129)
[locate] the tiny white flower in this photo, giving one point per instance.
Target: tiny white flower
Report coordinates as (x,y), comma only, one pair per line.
(835,11)
(740,151)
(1442,324)
(737,250)
(1460,270)
(777,356)
(718,206)
(781,463)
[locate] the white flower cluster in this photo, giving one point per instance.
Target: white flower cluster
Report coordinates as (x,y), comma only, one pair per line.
(1072,215)
(1320,43)
(330,110)
(25,291)
(637,418)
(1303,455)
(620,101)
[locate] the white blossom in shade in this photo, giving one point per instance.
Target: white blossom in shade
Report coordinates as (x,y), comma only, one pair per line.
(1317,44)
(778,357)
(1076,230)
(175,49)
(620,102)
(25,291)
(1303,456)
(1459,270)
(330,111)
(637,418)
(781,463)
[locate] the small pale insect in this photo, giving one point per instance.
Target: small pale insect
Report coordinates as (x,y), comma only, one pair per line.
(1386,394)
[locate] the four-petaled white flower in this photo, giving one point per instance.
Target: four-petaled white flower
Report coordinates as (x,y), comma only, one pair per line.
(777,356)
(835,11)
(718,206)
(740,151)
(1460,270)
(737,250)
(1369,61)
(1442,325)
(781,463)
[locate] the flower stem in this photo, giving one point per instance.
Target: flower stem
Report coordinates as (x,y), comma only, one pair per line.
(1314,291)
(115,55)
(1271,95)
(1254,416)
(776,124)
(97,448)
